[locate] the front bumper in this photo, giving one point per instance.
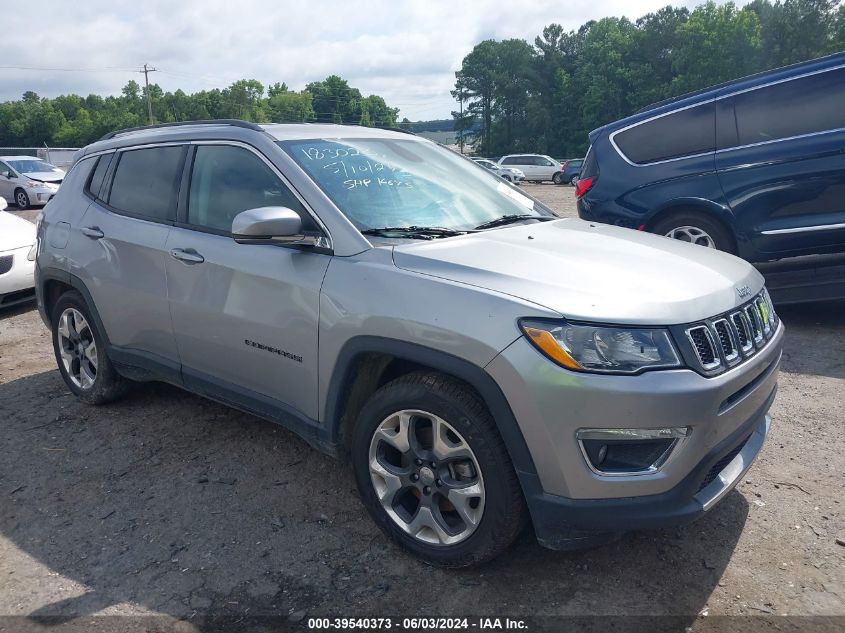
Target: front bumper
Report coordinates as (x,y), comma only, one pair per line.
(561,523)
(20,275)
(551,404)
(40,196)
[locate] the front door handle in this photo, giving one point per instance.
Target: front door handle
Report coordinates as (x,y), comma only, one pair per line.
(187,255)
(93,232)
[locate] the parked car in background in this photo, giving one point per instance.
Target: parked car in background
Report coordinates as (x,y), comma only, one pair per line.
(17,258)
(571,169)
(511,174)
(28,181)
(536,167)
(754,167)
(396,306)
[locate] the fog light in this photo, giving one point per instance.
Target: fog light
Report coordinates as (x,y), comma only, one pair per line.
(629,451)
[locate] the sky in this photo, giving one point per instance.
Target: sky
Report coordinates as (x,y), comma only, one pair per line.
(405,51)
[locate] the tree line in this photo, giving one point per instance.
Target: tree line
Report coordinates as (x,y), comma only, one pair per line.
(74,121)
(548,96)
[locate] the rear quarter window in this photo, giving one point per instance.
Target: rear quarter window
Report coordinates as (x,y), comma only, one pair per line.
(676,135)
(99,174)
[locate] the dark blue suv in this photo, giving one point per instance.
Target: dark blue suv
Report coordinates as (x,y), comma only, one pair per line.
(755,167)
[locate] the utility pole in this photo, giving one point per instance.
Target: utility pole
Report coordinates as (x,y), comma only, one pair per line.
(460,89)
(147,72)
(461,101)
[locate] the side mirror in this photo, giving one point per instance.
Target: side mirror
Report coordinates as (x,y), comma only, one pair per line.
(8,174)
(270,225)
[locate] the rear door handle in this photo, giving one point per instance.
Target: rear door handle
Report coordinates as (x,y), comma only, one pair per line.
(187,255)
(93,232)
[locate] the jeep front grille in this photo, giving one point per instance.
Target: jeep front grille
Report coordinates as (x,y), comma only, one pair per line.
(704,346)
(724,341)
(727,339)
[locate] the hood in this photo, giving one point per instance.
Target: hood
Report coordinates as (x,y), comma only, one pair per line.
(590,272)
(15,232)
(45,176)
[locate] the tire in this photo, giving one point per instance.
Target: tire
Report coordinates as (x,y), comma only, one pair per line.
(558,178)
(482,465)
(73,331)
(508,178)
(21,199)
(573,180)
(697,228)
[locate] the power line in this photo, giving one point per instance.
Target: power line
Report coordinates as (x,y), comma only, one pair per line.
(107,69)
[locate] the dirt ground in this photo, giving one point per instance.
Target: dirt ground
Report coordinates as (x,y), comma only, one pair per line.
(165,503)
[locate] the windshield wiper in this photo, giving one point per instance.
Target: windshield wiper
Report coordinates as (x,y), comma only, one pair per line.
(415,232)
(510,219)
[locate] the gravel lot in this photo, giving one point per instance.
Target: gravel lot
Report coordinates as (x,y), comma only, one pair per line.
(168,504)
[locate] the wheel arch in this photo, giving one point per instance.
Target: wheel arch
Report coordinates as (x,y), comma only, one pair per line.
(699,206)
(52,284)
(367,362)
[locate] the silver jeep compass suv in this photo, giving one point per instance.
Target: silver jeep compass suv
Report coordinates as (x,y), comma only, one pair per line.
(480,362)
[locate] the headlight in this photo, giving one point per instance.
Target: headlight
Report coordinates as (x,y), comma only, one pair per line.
(593,348)
(31,184)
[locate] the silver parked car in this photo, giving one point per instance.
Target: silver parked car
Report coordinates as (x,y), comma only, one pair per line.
(28,181)
(482,363)
(511,174)
(536,167)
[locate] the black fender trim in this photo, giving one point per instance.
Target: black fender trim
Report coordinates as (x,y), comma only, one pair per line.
(462,369)
(47,274)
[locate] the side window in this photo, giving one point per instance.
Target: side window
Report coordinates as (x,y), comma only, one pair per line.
(99,174)
(511,160)
(227,180)
(4,169)
(146,182)
(545,162)
(792,108)
(683,133)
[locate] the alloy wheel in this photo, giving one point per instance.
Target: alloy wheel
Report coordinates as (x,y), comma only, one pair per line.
(22,199)
(426,477)
(77,348)
(693,235)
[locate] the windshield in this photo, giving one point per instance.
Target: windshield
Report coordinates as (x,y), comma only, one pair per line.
(408,183)
(31,166)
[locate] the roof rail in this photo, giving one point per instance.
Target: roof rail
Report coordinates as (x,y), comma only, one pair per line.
(397,129)
(232,122)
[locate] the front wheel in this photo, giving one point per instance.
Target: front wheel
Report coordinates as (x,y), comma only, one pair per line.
(434,473)
(696,228)
(21,199)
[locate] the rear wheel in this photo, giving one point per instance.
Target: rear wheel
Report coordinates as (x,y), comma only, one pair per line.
(21,199)
(696,228)
(81,354)
(558,178)
(434,473)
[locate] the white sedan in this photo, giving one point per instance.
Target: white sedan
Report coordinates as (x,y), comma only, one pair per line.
(510,174)
(17,258)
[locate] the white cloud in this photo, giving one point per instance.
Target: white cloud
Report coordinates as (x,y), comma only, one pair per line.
(405,51)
